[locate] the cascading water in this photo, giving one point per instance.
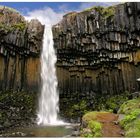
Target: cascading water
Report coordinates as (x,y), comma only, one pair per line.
(48,101)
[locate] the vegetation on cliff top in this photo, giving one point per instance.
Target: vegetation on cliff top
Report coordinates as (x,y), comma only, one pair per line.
(8,8)
(104,11)
(17,26)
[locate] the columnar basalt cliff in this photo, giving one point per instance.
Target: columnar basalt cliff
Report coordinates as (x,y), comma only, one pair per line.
(20,47)
(98,51)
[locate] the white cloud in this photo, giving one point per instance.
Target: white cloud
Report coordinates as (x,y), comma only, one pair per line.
(64,8)
(48,16)
(45,15)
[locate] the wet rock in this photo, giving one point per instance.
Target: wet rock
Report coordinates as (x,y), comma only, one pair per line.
(116,122)
(121,117)
(75,134)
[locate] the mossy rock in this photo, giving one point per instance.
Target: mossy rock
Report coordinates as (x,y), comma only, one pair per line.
(133,129)
(131,125)
(104,12)
(129,106)
(92,124)
(96,116)
(131,121)
(94,130)
(9,28)
(91,127)
(20,26)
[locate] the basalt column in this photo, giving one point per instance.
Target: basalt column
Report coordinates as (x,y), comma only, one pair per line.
(98,51)
(20,47)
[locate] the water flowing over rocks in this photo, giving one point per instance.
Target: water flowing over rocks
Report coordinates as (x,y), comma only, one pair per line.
(98,52)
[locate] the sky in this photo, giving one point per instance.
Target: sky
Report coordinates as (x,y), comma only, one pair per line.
(52,11)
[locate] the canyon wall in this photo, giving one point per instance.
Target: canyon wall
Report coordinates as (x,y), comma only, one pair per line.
(98,51)
(20,47)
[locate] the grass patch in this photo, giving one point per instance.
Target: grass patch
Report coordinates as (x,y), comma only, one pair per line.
(130,117)
(131,122)
(129,106)
(90,116)
(94,129)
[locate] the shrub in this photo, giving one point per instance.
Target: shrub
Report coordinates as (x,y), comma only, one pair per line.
(129,106)
(95,128)
(131,122)
(130,117)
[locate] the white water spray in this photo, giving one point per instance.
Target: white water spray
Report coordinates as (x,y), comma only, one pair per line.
(49,98)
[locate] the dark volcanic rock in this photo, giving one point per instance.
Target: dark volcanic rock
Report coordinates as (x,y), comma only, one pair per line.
(20,47)
(98,52)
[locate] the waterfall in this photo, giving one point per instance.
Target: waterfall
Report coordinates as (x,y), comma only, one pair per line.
(49,98)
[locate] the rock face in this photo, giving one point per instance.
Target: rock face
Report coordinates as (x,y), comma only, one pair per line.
(98,51)
(20,46)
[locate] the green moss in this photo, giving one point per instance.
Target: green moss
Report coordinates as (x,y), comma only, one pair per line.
(95,128)
(129,106)
(20,26)
(97,8)
(130,117)
(104,12)
(108,12)
(131,122)
(133,129)
(131,126)
(90,116)
(93,125)
(116,101)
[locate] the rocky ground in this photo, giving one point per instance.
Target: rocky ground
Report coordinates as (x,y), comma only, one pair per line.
(17,109)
